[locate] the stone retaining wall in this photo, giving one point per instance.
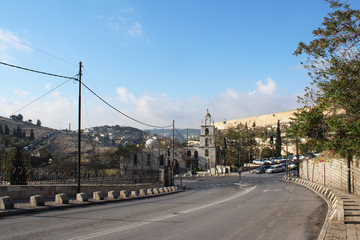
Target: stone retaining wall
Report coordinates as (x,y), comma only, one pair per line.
(331,172)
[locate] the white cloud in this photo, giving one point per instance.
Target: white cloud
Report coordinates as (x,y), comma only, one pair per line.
(21,92)
(135,30)
(48,86)
(156,109)
(124,95)
(9,42)
(268,88)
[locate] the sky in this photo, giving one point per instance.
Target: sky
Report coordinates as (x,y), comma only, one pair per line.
(157,61)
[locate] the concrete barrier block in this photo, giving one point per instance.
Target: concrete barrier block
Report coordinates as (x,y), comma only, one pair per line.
(142,192)
(161,190)
(155,190)
(112,195)
(338,214)
(98,196)
(173,188)
(326,192)
(165,189)
(124,194)
(61,198)
(134,193)
(6,202)
(81,197)
(37,200)
(149,192)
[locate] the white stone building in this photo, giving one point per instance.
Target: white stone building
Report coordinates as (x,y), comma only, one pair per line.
(203,155)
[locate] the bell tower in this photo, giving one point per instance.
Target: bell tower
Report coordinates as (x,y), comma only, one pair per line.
(207,148)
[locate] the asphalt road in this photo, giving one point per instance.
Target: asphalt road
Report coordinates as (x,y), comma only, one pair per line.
(260,207)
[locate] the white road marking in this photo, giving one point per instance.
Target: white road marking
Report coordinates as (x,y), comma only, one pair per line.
(275,190)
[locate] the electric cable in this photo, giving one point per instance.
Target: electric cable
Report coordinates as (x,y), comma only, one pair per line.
(180,135)
(40,97)
(76,79)
(36,71)
(49,54)
(117,110)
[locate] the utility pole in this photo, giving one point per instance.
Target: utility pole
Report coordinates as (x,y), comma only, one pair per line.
(173,153)
(79,130)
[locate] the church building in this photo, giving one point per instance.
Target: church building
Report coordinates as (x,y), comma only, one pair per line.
(204,155)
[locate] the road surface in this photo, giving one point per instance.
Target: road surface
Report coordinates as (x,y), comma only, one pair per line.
(260,207)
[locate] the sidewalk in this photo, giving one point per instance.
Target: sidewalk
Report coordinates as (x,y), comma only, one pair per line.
(343,218)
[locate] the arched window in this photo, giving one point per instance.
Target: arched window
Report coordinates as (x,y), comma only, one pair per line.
(206,131)
(161,160)
(196,154)
(189,153)
(135,159)
(206,142)
(206,152)
(148,160)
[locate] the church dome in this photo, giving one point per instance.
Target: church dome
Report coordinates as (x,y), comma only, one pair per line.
(150,143)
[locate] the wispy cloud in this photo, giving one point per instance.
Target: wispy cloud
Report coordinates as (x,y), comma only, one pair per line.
(9,42)
(135,30)
(124,23)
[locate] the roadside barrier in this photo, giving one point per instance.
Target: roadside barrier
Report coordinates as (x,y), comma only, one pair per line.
(37,200)
(61,198)
(37,203)
(336,204)
(6,203)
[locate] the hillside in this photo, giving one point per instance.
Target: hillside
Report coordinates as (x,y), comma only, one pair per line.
(63,144)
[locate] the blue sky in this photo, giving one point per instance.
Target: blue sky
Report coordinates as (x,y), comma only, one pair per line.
(157,60)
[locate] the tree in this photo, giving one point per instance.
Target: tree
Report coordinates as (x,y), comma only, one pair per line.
(278,141)
(18,117)
(32,136)
(38,123)
(18,175)
(6,130)
(1,130)
(334,67)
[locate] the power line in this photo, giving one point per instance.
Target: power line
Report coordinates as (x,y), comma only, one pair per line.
(40,97)
(39,50)
(117,110)
(180,135)
(36,71)
(76,79)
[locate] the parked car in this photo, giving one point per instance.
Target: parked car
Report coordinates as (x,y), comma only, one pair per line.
(262,169)
(258,162)
(267,161)
(292,166)
(275,169)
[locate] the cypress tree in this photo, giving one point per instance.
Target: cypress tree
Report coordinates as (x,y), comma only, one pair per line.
(18,175)
(278,141)
(32,137)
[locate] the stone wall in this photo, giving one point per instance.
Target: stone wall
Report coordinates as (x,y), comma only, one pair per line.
(25,191)
(332,172)
(260,121)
